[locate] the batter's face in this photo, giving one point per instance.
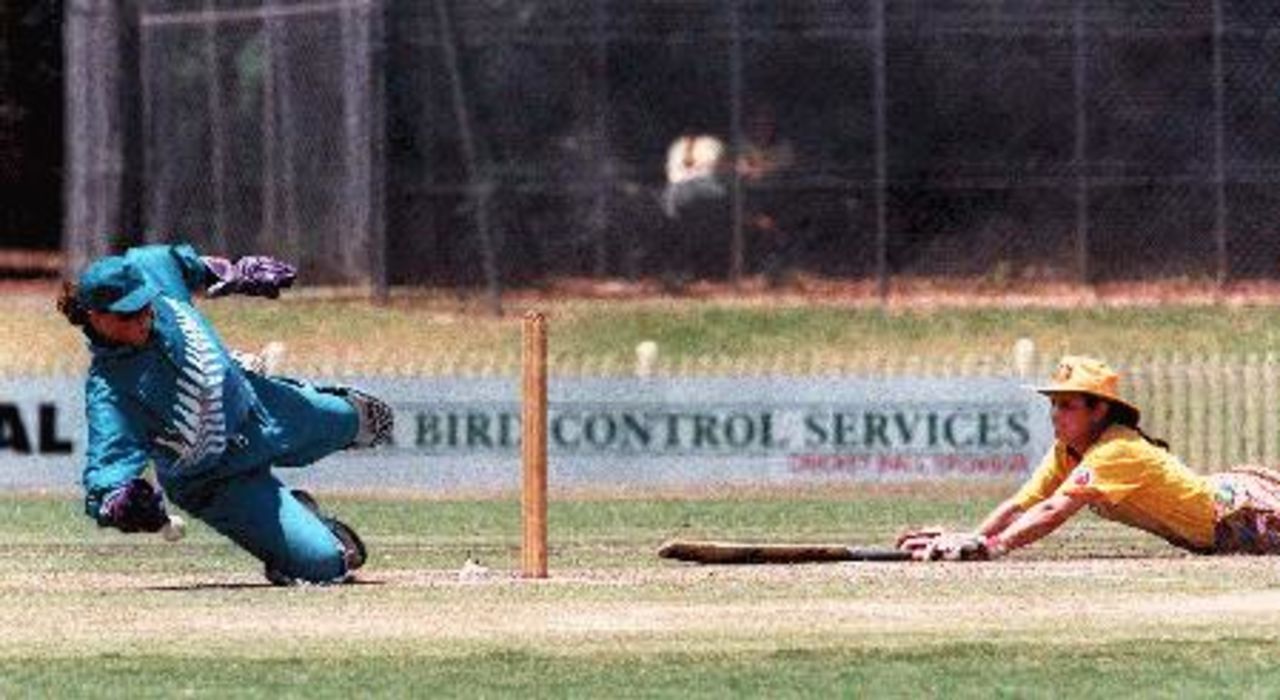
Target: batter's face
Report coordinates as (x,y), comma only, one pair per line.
(1074,420)
(123,329)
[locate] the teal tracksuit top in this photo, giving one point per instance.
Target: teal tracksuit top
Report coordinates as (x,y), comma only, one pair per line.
(179,402)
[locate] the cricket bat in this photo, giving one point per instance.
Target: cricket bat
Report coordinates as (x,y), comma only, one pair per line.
(749,553)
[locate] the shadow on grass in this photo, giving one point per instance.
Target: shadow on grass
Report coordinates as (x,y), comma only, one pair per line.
(231,586)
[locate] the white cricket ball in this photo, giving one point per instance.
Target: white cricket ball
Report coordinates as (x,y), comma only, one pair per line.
(174,530)
(472,570)
(273,357)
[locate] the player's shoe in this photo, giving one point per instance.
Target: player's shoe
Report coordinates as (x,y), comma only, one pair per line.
(353,547)
(376,419)
(354,553)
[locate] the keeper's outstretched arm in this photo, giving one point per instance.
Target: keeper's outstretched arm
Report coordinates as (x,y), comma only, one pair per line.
(251,275)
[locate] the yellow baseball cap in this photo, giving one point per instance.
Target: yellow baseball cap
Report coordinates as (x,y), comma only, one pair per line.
(1085,375)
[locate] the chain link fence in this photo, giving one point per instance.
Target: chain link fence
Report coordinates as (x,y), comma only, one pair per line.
(511,142)
(239,126)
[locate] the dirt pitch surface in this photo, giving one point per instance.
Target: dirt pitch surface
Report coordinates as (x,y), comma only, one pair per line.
(663,608)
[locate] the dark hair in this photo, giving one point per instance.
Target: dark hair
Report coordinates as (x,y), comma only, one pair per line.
(70,307)
(1120,414)
(76,314)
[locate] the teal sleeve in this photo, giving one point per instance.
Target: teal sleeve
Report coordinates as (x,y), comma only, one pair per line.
(117,452)
(176,269)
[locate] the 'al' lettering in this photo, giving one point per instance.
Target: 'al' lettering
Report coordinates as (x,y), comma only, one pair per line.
(13,434)
(50,443)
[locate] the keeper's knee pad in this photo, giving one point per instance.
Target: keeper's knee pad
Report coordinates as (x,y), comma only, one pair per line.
(376,419)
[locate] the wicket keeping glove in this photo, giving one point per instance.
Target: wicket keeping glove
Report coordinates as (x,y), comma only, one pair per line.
(251,275)
(135,507)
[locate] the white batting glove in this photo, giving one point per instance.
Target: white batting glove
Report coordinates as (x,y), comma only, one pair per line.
(963,546)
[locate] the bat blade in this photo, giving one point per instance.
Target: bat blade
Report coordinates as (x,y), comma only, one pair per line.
(752,553)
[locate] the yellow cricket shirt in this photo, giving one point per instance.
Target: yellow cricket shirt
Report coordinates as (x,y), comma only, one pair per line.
(1140,485)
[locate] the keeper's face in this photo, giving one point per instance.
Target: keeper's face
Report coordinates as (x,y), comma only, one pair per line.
(1074,420)
(123,329)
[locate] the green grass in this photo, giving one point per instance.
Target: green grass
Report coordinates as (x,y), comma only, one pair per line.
(1096,610)
(745,332)
(697,329)
(92,613)
(1239,668)
(594,533)
(336,333)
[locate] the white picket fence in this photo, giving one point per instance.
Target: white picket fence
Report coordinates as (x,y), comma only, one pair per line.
(1215,411)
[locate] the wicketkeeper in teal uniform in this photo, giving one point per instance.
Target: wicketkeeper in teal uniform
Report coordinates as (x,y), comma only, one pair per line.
(164,390)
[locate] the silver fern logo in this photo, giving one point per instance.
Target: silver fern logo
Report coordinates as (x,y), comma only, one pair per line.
(199,429)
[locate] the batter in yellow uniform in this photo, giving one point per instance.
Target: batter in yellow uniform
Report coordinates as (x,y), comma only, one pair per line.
(1103,460)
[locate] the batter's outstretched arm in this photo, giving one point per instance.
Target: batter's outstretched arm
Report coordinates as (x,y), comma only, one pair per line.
(1040,520)
(1001,517)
